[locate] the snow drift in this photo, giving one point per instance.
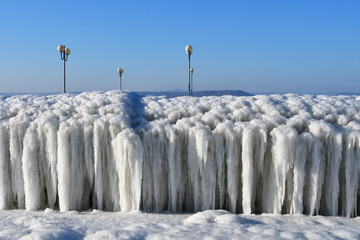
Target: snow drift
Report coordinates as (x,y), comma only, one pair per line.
(118,151)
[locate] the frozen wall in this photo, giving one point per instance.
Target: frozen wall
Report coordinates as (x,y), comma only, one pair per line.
(119,152)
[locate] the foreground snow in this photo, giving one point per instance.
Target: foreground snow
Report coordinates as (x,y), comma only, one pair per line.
(211,224)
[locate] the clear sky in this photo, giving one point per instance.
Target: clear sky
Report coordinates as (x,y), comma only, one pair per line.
(302,46)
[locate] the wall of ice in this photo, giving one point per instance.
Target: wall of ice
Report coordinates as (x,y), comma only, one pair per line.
(116,151)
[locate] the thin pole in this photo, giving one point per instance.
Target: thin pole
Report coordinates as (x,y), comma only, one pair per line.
(64,75)
(189,74)
(192,77)
(120,82)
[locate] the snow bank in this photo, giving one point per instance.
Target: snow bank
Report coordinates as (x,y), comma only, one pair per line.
(210,224)
(117,151)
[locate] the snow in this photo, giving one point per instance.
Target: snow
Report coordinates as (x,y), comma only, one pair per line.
(118,151)
(210,224)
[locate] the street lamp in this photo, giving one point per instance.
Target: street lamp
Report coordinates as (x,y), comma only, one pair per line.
(64,54)
(189,51)
(192,78)
(120,70)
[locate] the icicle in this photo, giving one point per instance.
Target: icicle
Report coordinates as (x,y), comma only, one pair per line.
(351,174)
(284,140)
(63,167)
(128,154)
(101,161)
(232,151)
(247,168)
(220,138)
(194,170)
(46,132)
(30,163)
(333,149)
(259,150)
(17,131)
(5,180)
(205,153)
(300,157)
(316,159)
(176,190)
(155,190)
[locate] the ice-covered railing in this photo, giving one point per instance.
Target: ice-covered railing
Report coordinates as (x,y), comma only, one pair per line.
(119,152)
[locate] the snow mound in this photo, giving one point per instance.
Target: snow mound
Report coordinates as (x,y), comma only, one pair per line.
(19,224)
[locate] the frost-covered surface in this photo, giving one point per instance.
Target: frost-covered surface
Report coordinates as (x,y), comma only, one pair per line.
(210,224)
(117,151)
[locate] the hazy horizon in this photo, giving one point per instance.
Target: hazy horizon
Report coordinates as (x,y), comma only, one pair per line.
(8,94)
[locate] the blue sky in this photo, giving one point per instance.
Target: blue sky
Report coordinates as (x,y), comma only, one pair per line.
(302,46)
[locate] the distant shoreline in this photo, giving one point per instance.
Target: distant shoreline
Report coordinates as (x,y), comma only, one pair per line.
(156,93)
(179,93)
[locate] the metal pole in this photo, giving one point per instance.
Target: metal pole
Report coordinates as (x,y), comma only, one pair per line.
(120,82)
(64,75)
(191,83)
(189,74)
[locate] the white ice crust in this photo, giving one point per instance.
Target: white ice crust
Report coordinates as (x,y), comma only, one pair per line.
(118,151)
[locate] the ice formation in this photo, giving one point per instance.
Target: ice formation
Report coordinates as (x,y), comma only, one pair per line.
(117,151)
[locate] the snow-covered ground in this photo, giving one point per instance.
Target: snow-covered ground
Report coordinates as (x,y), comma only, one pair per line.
(211,224)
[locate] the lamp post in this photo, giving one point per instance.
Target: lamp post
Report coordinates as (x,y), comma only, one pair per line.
(64,54)
(192,78)
(189,51)
(120,70)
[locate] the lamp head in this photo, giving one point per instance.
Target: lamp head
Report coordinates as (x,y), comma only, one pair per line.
(67,51)
(61,48)
(191,70)
(189,49)
(120,70)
